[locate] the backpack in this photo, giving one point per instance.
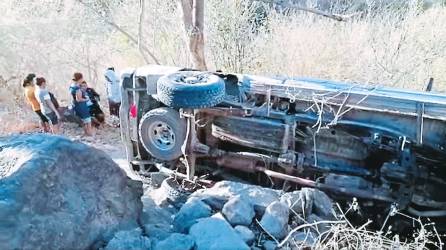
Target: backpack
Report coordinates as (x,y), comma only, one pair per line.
(54,100)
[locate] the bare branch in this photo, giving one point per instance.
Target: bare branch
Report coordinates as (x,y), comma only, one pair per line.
(122,31)
(142,4)
(337,17)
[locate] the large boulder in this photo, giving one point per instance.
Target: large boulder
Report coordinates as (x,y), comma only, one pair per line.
(275,219)
(300,202)
(59,194)
(189,214)
(322,204)
(238,211)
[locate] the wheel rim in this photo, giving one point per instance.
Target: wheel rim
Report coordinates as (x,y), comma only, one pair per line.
(161,135)
(192,79)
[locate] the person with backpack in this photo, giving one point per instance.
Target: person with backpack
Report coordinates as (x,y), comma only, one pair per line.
(79,102)
(47,106)
(96,112)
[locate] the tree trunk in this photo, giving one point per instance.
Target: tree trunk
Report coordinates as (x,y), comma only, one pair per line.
(193,18)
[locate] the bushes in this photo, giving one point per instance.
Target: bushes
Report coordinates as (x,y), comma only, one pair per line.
(380,45)
(396,48)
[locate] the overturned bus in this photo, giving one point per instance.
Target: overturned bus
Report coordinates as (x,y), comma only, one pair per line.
(381,145)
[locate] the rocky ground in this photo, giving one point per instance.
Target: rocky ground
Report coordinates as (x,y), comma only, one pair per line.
(232,215)
(168,214)
(57,193)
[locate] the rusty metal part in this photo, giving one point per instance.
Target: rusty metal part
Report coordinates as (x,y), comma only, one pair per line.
(434,213)
(245,112)
(145,162)
(270,135)
(242,161)
(341,190)
(248,162)
(287,160)
(300,162)
(200,148)
(190,142)
(422,201)
(170,172)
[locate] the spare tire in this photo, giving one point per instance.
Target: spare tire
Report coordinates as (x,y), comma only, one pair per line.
(163,132)
(191,89)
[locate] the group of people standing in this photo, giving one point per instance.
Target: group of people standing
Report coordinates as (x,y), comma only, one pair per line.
(42,102)
(84,101)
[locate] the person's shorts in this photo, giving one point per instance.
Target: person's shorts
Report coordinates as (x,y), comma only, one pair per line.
(53,118)
(42,117)
(114,107)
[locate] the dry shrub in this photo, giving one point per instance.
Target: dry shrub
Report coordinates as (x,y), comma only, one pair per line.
(391,48)
(343,234)
(386,46)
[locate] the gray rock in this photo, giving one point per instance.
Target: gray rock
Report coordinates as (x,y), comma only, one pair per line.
(176,242)
(189,213)
(319,228)
(259,197)
(154,214)
(129,240)
(304,239)
(247,235)
(322,205)
(219,216)
(269,245)
(59,194)
(215,202)
(275,219)
(307,194)
(238,211)
(299,202)
(169,193)
(158,231)
(156,178)
(213,233)
(294,201)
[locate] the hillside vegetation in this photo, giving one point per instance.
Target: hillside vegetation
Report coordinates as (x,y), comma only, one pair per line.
(383,44)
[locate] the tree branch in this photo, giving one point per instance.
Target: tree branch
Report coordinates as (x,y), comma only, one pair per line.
(142,4)
(122,31)
(337,17)
(320,13)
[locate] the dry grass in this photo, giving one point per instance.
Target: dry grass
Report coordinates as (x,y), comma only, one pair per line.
(343,234)
(395,49)
(346,236)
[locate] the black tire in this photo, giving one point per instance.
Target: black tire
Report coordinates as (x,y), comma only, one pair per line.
(162,133)
(177,90)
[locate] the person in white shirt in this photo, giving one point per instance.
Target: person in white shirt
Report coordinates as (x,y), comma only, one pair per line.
(46,104)
(113,91)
